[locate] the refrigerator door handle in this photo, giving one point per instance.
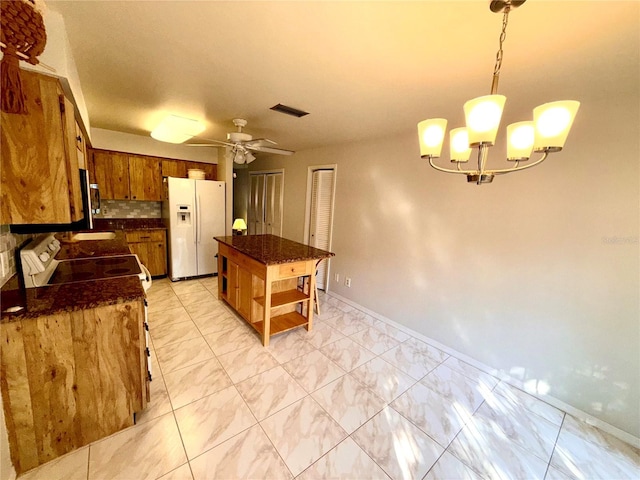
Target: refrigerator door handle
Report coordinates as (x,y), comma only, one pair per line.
(195,224)
(199,218)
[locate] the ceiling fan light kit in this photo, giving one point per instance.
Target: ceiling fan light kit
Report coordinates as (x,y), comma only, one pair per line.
(546,134)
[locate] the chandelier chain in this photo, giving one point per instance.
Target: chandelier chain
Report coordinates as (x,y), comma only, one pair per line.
(503,36)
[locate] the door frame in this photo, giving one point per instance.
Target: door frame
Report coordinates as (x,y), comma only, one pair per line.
(307,208)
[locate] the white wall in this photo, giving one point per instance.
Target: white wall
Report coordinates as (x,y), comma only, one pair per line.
(536,275)
(145,145)
(58,55)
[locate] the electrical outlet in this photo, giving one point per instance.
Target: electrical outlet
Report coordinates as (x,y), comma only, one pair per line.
(336,277)
(347,281)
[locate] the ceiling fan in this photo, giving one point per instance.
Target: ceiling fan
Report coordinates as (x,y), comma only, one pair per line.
(242,144)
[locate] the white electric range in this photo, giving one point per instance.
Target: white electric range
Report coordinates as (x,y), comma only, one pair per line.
(41,268)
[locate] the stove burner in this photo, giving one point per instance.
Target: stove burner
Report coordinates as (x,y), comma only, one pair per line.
(117,271)
(110,261)
(75,277)
(82,261)
(71,271)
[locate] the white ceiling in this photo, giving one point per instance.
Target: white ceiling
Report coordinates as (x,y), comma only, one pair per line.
(362,69)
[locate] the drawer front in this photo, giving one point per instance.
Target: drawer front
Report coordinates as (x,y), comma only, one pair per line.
(137,236)
(295,269)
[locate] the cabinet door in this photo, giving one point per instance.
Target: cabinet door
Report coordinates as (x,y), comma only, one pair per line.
(174,168)
(145,178)
(112,174)
(232,284)
(158,258)
(34,164)
(245,293)
(72,165)
(210,171)
(151,248)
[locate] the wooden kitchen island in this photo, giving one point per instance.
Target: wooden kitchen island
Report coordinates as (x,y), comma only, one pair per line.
(269,280)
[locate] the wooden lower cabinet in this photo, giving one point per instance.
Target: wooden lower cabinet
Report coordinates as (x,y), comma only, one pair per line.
(70,379)
(151,248)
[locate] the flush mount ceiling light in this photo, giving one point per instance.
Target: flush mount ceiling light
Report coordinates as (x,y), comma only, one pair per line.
(546,134)
(175,129)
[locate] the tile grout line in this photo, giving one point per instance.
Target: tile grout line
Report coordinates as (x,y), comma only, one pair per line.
(555,444)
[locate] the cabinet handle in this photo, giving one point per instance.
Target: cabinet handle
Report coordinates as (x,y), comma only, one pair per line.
(144,237)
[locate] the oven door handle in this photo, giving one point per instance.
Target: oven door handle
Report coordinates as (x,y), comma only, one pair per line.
(147,274)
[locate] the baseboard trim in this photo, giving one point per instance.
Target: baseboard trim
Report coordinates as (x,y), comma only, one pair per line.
(502,375)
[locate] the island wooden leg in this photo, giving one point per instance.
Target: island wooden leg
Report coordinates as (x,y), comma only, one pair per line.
(266,332)
(312,299)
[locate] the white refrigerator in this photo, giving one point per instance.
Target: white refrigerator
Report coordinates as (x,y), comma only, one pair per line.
(194,211)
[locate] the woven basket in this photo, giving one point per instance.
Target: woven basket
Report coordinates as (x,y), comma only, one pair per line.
(24,37)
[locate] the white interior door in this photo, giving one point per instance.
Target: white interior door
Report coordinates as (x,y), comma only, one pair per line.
(256,205)
(321,220)
(273,204)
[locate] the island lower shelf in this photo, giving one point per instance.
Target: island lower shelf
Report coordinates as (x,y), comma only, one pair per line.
(282,323)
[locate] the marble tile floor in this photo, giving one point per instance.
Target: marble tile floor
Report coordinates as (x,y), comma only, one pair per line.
(354,399)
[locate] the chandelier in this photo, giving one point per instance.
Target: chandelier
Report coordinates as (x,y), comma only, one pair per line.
(546,134)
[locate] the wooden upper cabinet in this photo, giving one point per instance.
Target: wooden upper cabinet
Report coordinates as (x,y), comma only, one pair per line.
(174,168)
(39,170)
(124,176)
(111,171)
(145,178)
(179,168)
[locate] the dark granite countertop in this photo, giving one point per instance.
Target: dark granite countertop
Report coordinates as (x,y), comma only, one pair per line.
(129,224)
(273,250)
(70,249)
(55,299)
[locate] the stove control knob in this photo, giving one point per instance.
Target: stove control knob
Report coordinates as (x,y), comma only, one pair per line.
(44,256)
(56,243)
(52,246)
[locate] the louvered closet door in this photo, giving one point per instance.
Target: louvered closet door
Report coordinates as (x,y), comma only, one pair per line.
(320,221)
(273,204)
(256,205)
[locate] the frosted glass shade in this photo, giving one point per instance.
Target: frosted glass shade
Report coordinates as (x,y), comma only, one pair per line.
(431,136)
(175,129)
(459,149)
(519,141)
(552,123)
(482,116)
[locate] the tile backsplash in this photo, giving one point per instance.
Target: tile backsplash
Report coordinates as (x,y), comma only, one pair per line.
(8,244)
(129,209)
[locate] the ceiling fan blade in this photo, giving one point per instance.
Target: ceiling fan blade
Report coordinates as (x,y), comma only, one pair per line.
(259,141)
(203,145)
(218,142)
(277,151)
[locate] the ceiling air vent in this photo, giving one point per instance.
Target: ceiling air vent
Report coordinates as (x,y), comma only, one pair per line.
(289,110)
